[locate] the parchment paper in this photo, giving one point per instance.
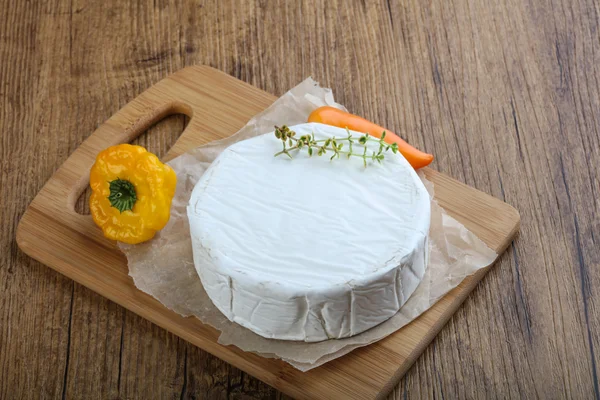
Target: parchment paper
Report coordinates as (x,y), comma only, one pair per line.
(164,267)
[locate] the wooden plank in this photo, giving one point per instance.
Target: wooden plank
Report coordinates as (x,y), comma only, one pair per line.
(504,93)
(218,105)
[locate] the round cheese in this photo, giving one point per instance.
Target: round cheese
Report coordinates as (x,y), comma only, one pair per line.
(307,248)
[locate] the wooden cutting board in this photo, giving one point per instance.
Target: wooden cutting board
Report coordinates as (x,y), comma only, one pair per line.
(219,105)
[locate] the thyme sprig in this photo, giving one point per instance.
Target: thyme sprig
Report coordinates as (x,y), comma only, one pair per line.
(333,145)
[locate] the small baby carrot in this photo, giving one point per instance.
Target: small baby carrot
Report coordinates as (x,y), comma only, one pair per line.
(342,119)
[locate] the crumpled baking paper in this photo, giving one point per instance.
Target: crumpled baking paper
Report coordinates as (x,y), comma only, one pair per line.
(164,267)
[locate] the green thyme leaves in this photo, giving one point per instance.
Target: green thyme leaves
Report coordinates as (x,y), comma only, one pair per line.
(332,145)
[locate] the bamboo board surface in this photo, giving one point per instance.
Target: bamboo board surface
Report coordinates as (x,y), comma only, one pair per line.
(218,105)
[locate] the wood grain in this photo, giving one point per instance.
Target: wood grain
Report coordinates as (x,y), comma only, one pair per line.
(505,93)
(52,232)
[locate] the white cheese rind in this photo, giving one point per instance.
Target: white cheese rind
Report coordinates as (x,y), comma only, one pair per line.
(308,249)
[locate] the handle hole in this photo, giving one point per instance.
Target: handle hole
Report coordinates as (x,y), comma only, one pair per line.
(158,139)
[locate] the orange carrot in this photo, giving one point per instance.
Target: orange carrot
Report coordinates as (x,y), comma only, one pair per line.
(336,117)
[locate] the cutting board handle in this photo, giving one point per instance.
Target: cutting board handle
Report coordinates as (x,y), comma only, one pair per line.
(176,94)
(190,91)
(127,124)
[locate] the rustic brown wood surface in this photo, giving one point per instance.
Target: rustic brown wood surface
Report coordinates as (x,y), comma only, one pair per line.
(54,233)
(505,93)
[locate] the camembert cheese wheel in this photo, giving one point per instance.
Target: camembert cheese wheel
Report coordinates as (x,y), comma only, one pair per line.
(307,248)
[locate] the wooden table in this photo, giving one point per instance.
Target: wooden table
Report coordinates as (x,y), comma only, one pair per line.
(505,93)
